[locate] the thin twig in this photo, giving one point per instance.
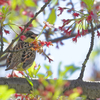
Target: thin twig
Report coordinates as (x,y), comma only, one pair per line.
(1,40)
(26,27)
(47,56)
(88,54)
(71,36)
(73,17)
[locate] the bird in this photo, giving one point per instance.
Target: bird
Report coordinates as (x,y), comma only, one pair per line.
(22,59)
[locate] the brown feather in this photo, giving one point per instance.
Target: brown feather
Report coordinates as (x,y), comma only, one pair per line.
(23,57)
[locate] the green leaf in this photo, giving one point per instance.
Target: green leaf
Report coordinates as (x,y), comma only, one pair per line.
(29,81)
(68,69)
(93,54)
(59,81)
(19,2)
(4,40)
(3,89)
(74,95)
(59,70)
(54,2)
(40,75)
(7,10)
(3,9)
(5,93)
(52,17)
(13,4)
(49,73)
(79,25)
(47,67)
(31,70)
(84,97)
(89,4)
(44,82)
(36,70)
(71,68)
(30,3)
(34,23)
(8,94)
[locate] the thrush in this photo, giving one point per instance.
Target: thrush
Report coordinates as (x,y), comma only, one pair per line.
(22,59)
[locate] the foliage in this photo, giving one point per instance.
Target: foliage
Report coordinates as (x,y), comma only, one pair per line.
(5,93)
(68,70)
(49,91)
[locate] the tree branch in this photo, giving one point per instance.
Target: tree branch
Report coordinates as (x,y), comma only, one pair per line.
(88,54)
(90,89)
(71,36)
(25,26)
(1,40)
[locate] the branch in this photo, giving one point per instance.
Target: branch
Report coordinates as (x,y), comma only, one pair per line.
(1,40)
(71,36)
(90,89)
(25,26)
(61,38)
(88,54)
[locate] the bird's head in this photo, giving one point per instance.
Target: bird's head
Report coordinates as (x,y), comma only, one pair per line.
(29,36)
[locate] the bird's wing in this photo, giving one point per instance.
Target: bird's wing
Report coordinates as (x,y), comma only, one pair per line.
(9,57)
(14,58)
(24,57)
(28,57)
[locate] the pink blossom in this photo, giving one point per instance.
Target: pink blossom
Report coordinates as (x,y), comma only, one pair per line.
(61,10)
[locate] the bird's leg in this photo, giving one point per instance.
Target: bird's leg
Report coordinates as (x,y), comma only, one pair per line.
(27,74)
(12,73)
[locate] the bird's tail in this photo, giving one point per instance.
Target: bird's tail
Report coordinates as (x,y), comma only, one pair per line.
(12,66)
